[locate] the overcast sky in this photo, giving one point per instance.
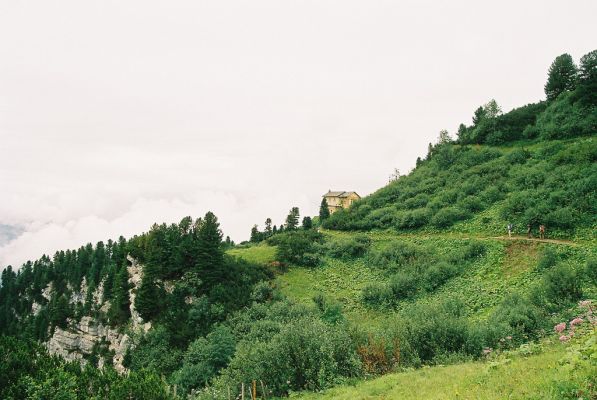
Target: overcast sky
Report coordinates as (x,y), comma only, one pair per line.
(118,114)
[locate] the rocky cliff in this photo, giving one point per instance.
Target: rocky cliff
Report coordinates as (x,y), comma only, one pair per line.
(88,336)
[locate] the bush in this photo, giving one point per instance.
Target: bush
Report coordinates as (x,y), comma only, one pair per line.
(348,248)
(204,358)
(307,354)
(433,331)
(403,285)
(448,216)
(376,294)
(591,270)
(300,247)
(520,315)
(438,274)
(561,286)
(395,255)
(548,259)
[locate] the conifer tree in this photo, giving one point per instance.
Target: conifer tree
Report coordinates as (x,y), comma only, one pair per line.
(210,256)
(324,211)
(587,81)
(562,76)
(119,311)
(292,219)
(307,223)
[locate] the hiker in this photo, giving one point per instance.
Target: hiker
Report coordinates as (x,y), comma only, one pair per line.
(529,231)
(510,230)
(542,231)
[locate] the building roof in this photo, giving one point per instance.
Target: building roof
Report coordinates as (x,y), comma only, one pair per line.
(339,194)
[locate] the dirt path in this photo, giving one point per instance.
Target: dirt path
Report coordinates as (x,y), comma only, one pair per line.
(555,241)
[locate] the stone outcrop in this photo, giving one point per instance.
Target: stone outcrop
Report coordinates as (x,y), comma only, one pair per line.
(79,339)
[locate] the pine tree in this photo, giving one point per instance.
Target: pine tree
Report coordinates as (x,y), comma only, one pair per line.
(292,219)
(119,311)
(562,76)
(268,227)
(147,301)
(254,234)
(324,211)
(307,223)
(210,257)
(586,91)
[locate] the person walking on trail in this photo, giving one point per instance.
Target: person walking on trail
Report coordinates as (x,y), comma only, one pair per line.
(529,231)
(510,230)
(542,231)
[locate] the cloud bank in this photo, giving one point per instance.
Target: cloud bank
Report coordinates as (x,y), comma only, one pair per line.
(116,115)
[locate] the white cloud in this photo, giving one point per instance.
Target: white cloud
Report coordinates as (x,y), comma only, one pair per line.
(115,115)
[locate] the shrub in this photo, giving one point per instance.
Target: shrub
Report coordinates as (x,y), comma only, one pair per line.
(561,285)
(204,358)
(376,294)
(438,274)
(262,292)
(591,270)
(300,247)
(306,354)
(413,219)
(396,254)
(548,259)
(347,248)
(437,330)
(448,216)
(403,285)
(519,314)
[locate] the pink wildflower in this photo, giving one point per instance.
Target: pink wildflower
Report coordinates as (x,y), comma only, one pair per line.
(509,337)
(585,304)
(576,321)
(564,338)
(559,328)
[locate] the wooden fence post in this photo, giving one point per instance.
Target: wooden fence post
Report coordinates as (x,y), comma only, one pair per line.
(263,390)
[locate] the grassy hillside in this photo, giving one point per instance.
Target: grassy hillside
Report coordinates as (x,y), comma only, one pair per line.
(541,371)
(481,189)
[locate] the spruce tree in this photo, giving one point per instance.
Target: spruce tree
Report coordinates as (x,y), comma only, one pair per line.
(586,91)
(292,219)
(307,223)
(324,211)
(210,256)
(119,311)
(562,76)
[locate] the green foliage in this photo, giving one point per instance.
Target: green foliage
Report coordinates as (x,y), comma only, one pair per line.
(324,211)
(28,372)
(521,317)
(562,76)
(204,358)
(348,248)
(299,247)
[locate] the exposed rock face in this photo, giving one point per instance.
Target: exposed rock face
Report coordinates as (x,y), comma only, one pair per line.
(80,338)
(135,271)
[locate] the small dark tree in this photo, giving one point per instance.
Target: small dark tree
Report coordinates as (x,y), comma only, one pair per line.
(307,223)
(268,227)
(210,257)
(254,234)
(562,76)
(292,219)
(119,311)
(587,85)
(324,211)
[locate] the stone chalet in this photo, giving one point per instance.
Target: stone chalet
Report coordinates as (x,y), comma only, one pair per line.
(338,200)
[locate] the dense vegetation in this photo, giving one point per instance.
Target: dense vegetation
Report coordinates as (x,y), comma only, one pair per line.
(535,180)
(407,277)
